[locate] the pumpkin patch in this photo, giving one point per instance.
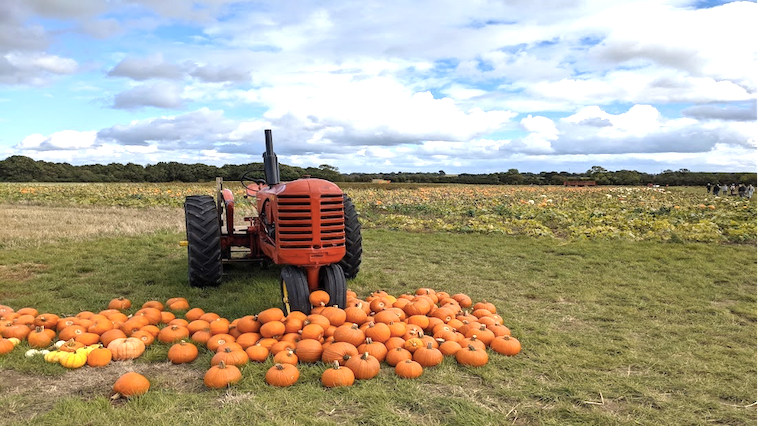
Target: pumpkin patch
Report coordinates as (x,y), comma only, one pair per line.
(408,333)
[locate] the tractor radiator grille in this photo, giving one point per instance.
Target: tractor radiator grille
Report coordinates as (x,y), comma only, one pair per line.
(313,223)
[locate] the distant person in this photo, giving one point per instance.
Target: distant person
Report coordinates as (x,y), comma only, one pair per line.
(724,189)
(750,190)
(741,190)
(733,190)
(716,189)
(708,188)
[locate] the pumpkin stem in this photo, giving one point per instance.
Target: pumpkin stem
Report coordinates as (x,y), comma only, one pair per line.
(222,365)
(365,356)
(279,367)
(471,348)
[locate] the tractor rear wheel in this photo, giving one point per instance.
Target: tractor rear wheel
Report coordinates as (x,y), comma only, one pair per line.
(332,279)
(204,241)
(353,241)
(294,285)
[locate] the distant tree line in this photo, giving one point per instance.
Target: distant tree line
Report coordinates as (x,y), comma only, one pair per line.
(24,169)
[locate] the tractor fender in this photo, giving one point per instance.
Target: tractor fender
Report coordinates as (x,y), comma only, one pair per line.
(228,198)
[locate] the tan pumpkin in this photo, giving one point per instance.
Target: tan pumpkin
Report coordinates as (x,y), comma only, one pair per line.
(126,348)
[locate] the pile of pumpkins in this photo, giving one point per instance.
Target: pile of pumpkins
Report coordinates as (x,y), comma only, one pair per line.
(410,333)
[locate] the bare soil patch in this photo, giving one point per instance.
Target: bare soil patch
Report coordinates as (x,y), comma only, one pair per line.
(88,383)
(21,271)
(34,226)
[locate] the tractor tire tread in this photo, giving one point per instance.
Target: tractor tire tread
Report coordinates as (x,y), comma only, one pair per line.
(204,266)
(332,280)
(351,263)
(293,279)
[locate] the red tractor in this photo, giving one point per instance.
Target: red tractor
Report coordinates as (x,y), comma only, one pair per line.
(309,225)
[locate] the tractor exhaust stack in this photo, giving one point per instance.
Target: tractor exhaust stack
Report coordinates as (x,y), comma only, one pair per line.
(270,163)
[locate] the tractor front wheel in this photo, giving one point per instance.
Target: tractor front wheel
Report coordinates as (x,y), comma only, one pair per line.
(294,285)
(203,241)
(332,280)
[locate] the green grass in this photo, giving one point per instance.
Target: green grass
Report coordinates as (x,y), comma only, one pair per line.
(612,333)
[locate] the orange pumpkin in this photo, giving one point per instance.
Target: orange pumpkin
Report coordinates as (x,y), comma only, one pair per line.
(364,367)
(131,384)
(308,350)
(99,357)
(337,376)
(472,356)
(282,375)
(221,375)
(409,369)
(182,353)
(506,345)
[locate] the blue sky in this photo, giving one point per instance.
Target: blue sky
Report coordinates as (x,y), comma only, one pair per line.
(382,86)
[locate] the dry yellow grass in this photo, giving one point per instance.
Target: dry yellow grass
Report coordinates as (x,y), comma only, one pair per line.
(30,226)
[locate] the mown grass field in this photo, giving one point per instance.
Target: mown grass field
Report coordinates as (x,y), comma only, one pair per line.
(614,329)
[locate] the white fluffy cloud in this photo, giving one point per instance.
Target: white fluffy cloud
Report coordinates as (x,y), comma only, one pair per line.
(392,84)
(153,94)
(65,140)
(153,66)
(640,130)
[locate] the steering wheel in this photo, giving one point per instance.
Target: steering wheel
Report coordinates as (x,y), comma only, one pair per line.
(247,178)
